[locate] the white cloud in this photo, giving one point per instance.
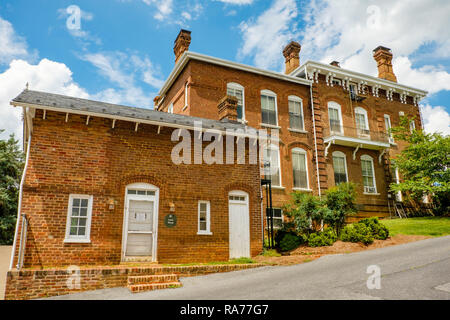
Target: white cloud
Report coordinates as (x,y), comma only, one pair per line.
(164,8)
(436,119)
(265,38)
(238,2)
(12,46)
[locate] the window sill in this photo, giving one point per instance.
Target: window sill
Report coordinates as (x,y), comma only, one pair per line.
(297,130)
(269,126)
(77,240)
(204,233)
(302,189)
(278,187)
(371,194)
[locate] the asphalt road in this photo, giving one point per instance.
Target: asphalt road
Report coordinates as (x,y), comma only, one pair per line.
(418,270)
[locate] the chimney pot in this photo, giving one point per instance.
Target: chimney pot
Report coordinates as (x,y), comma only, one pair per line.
(291,54)
(336,64)
(227,108)
(181,43)
(383,57)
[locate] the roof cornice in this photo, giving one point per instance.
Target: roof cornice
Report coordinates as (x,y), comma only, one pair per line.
(188,55)
(342,73)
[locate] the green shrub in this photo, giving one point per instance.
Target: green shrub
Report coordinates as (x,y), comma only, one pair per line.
(357,232)
(378,230)
(321,239)
(289,242)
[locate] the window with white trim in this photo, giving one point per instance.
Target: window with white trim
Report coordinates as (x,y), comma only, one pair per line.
(339,167)
(236,90)
(335,117)
(271,160)
(269,107)
(412,126)
(277,218)
(79,216)
(300,169)
(387,124)
(362,122)
(204,217)
(368,174)
(296,113)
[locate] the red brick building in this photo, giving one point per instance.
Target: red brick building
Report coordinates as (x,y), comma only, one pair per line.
(333,123)
(100,187)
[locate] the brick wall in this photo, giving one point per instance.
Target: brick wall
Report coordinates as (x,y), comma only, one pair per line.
(75,158)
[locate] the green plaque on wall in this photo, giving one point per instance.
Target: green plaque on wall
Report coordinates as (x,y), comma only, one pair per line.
(170,220)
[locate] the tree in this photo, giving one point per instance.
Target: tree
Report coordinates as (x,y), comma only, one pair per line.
(11,166)
(424,165)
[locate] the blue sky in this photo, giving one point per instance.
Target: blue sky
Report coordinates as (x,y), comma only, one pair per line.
(124,49)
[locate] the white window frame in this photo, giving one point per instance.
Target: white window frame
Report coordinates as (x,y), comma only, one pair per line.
(335,105)
(387,120)
(170,108)
(366,157)
(301,151)
(208,218)
(296,99)
(282,219)
(340,154)
(359,110)
(273,147)
(237,86)
(269,93)
(87,237)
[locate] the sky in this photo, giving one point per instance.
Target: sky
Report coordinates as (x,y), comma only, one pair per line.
(121,51)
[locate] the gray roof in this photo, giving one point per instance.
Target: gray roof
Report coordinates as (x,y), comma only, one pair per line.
(97,108)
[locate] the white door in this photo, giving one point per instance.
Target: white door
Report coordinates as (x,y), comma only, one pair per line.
(239,224)
(140,228)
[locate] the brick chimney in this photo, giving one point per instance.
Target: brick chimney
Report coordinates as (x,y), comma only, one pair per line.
(383,57)
(182,43)
(227,108)
(291,54)
(336,64)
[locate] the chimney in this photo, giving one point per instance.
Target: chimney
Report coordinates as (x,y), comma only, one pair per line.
(291,54)
(182,43)
(383,57)
(227,108)
(336,64)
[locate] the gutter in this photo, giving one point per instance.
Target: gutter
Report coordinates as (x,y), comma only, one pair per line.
(19,206)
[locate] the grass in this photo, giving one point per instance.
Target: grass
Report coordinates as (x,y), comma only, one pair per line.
(425,226)
(270,253)
(232,261)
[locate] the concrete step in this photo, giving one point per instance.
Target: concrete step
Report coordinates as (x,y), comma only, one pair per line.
(134,288)
(147,259)
(148,279)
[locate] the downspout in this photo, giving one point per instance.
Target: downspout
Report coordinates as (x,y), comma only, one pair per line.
(314,129)
(19,206)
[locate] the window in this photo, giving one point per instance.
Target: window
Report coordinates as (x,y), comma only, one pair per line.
(236,90)
(79,215)
(353,90)
(269,107)
(271,160)
(185,95)
(170,109)
(339,167)
(204,223)
(277,218)
(300,169)
(296,113)
(337,82)
(387,124)
(368,174)
(362,122)
(334,114)
(412,126)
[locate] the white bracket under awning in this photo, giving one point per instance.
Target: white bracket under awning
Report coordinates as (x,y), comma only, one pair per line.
(356,150)
(327,147)
(381,155)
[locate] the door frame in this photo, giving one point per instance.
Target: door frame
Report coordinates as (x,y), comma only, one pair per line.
(247,204)
(155,198)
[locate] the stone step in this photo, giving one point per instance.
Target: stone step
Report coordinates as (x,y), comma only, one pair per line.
(135,288)
(148,279)
(147,259)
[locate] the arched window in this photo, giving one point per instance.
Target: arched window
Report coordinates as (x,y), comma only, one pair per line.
(339,167)
(300,168)
(271,161)
(296,113)
(368,174)
(335,117)
(236,90)
(362,122)
(269,108)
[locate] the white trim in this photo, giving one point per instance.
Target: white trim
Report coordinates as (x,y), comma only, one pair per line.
(391,137)
(366,157)
(273,147)
(359,110)
(298,131)
(363,143)
(170,108)
(155,199)
(237,86)
(185,95)
(340,154)
(208,218)
(188,55)
(305,153)
(269,93)
(87,237)
(335,105)
(297,99)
